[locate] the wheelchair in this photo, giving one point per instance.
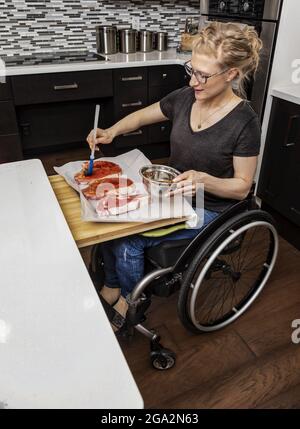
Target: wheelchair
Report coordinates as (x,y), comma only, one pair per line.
(218,274)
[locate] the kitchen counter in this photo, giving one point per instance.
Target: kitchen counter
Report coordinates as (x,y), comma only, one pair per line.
(118,60)
(287,92)
(57,349)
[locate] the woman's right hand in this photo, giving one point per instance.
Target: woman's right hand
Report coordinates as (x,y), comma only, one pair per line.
(102,137)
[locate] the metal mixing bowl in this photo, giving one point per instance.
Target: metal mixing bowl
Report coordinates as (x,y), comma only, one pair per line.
(158,178)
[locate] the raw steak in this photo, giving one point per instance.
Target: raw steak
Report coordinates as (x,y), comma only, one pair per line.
(101,169)
(115,205)
(108,186)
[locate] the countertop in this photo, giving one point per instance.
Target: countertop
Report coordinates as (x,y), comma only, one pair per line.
(119,60)
(287,92)
(57,349)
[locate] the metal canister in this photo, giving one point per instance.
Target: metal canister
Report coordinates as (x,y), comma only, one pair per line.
(128,40)
(106,37)
(145,40)
(161,41)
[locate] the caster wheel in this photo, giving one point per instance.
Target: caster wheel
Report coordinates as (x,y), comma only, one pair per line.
(163,359)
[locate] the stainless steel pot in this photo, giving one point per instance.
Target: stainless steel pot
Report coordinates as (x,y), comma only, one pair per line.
(106,37)
(145,40)
(161,42)
(128,40)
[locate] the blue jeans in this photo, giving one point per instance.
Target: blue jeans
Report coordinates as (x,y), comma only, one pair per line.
(124,258)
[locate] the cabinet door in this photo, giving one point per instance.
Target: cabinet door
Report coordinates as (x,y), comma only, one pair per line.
(5,90)
(10,148)
(279,178)
(8,123)
(56,124)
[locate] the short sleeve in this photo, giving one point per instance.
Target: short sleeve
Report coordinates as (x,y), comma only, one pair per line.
(169,103)
(249,140)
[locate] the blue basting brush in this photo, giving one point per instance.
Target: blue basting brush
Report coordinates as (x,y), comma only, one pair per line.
(92,157)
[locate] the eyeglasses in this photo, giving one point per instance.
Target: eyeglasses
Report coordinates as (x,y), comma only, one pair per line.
(200,77)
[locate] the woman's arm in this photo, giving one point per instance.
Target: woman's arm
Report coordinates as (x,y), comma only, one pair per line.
(236,188)
(149,115)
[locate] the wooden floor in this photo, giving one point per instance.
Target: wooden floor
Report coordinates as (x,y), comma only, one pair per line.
(250,364)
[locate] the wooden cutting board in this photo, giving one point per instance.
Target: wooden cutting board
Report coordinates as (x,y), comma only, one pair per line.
(90,233)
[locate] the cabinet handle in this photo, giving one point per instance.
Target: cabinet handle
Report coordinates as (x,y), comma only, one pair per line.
(61,87)
(295,211)
(137,103)
(134,133)
(131,78)
(165,75)
(293,131)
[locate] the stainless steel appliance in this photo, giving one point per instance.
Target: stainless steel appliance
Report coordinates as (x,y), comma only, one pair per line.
(128,40)
(264,16)
(106,37)
(145,40)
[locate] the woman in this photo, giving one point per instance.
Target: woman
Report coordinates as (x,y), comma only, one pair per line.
(215,141)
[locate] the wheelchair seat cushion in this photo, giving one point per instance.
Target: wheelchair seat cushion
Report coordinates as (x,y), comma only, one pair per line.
(167,253)
(161,232)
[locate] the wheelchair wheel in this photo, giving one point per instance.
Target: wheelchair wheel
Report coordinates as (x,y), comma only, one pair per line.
(96,267)
(228,272)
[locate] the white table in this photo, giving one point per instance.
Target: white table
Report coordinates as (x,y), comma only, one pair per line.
(57,349)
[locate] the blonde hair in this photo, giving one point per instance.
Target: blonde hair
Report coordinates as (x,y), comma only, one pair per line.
(234,46)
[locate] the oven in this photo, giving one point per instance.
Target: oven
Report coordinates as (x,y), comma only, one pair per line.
(264,16)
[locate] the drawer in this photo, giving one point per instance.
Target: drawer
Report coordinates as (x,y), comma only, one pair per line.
(156,93)
(55,124)
(160,132)
(8,123)
(134,77)
(56,87)
(10,148)
(166,75)
(5,90)
(133,139)
(126,102)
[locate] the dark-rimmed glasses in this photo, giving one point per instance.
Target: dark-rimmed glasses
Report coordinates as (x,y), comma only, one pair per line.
(200,77)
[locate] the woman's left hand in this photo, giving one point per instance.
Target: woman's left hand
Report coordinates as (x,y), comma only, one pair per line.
(189,182)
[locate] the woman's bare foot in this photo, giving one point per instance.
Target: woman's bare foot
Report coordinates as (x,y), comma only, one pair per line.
(121,307)
(110,295)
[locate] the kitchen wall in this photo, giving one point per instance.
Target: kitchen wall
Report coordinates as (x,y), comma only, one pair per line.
(35,25)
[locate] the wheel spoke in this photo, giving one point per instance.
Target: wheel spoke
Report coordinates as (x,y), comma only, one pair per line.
(213,304)
(247,248)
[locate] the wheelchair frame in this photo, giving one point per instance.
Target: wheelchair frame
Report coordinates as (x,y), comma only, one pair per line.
(140,298)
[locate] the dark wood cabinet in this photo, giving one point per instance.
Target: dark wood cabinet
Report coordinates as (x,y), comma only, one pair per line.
(136,88)
(279,181)
(56,110)
(10,145)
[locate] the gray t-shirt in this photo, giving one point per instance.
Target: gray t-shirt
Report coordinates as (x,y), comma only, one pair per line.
(210,150)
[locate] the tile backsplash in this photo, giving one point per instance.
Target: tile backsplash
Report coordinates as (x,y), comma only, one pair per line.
(46,25)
